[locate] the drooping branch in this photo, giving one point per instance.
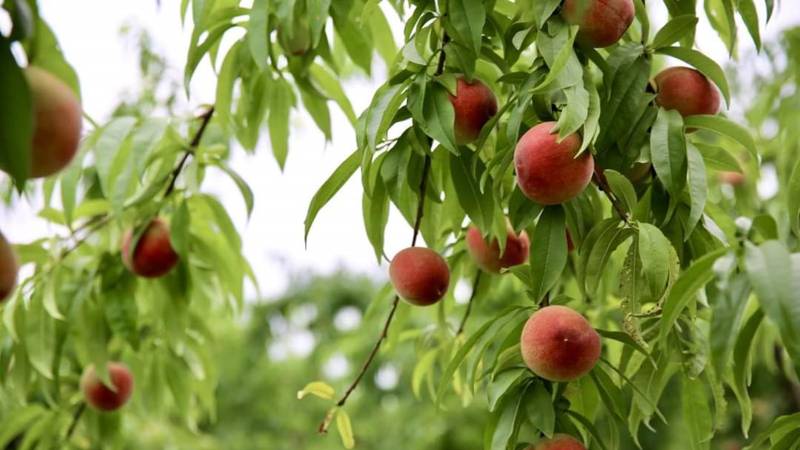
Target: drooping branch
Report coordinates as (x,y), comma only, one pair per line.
(75,419)
(423,186)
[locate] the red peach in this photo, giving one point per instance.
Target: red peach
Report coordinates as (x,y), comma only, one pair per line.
(547,170)
(474,104)
(601,22)
(154,255)
(57,123)
(419,275)
(687,91)
(487,255)
(731,178)
(8,268)
(102,397)
(559,442)
(559,344)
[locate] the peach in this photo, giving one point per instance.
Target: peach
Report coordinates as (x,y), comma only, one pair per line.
(601,22)
(154,255)
(8,268)
(687,91)
(547,170)
(559,442)
(559,344)
(487,255)
(57,123)
(419,275)
(731,178)
(474,104)
(299,41)
(102,397)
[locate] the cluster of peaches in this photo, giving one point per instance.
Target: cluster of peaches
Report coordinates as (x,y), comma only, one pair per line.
(557,343)
(55,142)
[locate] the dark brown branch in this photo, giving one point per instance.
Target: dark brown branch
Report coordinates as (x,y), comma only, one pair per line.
(603,185)
(198,136)
(472,296)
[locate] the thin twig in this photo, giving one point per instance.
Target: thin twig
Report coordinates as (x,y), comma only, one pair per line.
(472,296)
(198,136)
(75,419)
(423,185)
(603,185)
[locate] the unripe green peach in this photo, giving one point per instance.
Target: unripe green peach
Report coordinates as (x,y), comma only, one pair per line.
(102,397)
(558,442)
(154,255)
(601,22)
(299,41)
(474,104)
(547,170)
(687,91)
(57,123)
(559,344)
(419,275)
(487,255)
(8,268)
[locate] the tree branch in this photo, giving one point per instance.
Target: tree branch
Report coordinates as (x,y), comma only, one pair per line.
(602,184)
(198,136)
(75,419)
(423,186)
(472,296)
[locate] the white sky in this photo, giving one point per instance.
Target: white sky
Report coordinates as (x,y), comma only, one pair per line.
(273,238)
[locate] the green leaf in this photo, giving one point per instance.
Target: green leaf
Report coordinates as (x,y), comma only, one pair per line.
(317,15)
(674,30)
(244,188)
(331,87)
(376,120)
(793,198)
(683,291)
(467,18)
(597,248)
(668,150)
(550,247)
(718,158)
(106,152)
(696,413)
(702,63)
(318,389)
(20,421)
(478,205)
(375,209)
(775,275)
(258,32)
(345,428)
(539,406)
(654,250)
(506,422)
(45,52)
(698,189)
(279,121)
(439,117)
(749,15)
(226,77)
(589,426)
(330,187)
(725,127)
(179,230)
(728,306)
(16,119)
(621,187)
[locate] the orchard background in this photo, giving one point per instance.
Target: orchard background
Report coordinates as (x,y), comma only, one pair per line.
(240,126)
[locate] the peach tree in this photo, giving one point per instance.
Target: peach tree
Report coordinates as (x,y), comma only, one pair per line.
(541,147)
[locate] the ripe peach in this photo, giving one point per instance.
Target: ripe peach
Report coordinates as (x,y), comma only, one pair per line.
(559,442)
(102,397)
(57,123)
(474,104)
(487,256)
(559,344)
(419,275)
(601,22)
(687,91)
(8,268)
(547,170)
(154,255)
(731,178)
(299,42)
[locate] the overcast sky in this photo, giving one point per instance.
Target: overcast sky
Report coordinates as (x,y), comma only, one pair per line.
(273,238)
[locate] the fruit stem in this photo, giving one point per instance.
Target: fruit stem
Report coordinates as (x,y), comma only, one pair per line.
(469,303)
(603,185)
